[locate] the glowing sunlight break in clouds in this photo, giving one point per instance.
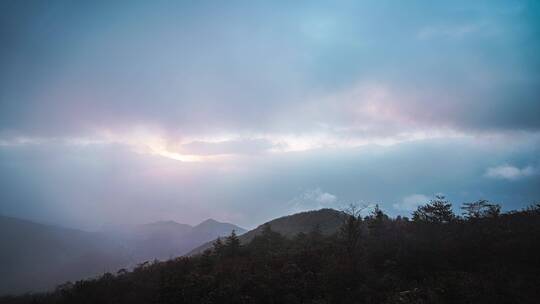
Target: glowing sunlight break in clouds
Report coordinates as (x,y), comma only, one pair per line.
(184,110)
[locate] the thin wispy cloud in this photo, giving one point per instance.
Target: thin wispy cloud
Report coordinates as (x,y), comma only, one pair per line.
(411,202)
(313,199)
(510,172)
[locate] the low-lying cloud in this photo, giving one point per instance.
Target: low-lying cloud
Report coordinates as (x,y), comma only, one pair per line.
(411,202)
(313,199)
(510,172)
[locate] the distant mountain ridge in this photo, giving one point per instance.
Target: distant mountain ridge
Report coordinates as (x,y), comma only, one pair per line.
(168,239)
(327,220)
(37,257)
(62,254)
(163,227)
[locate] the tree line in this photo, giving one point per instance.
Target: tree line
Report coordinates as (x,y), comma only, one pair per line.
(436,256)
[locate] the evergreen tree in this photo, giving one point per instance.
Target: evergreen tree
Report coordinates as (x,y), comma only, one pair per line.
(437,211)
(378,214)
(218,247)
(268,242)
(376,221)
(232,244)
(408,263)
(479,209)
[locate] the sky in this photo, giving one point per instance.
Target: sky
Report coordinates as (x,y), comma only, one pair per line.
(129,112)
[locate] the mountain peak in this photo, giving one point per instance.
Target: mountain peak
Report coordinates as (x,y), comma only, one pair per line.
(209,221)
(168,223)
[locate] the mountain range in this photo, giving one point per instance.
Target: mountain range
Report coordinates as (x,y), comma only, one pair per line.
(167,239)
(37,257)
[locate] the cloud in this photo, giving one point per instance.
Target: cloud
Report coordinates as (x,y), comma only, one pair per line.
(256,109)
(313,199)
(451,32)
(259,75)
(409,203)
(95,183)
(147,140)
(233,146)
(509,172)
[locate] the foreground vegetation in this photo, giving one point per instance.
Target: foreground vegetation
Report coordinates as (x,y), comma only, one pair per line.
(483,256)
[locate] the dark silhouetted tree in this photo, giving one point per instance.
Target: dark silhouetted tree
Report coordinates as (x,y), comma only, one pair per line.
(351,230)
(232,244)
(437,211)
(480,209)
(268,242)
(494,260)
(218,247)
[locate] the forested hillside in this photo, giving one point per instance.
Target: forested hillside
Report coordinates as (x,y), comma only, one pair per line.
(481,256)
(37,257)
(328,222)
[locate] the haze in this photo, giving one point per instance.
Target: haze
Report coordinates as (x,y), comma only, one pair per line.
(133,112)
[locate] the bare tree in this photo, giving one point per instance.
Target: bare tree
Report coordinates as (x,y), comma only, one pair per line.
(351,230)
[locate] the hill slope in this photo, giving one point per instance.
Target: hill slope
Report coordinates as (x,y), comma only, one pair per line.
(37,257)
(328,221)
(492,258)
